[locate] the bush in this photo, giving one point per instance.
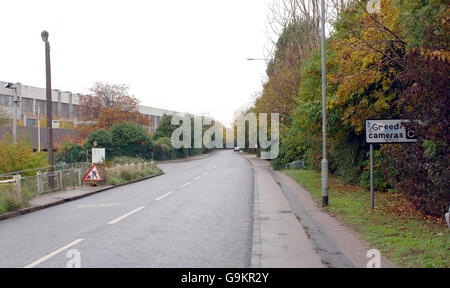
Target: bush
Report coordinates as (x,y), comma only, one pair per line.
(162,149)
(130,139)
(19,157)
(422,172)
(70,153)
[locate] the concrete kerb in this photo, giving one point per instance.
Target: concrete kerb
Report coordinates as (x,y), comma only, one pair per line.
(60,201)
(255,260)
(192,158)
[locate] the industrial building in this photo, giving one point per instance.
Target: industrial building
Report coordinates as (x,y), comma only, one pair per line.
(31,111)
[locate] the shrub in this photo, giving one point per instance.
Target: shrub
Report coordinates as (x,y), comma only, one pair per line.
(70,153)
(422,172)
(19,157)
(130,139)
(162,149)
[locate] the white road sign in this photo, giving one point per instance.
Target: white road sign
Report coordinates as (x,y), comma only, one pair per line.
(388,131)
(98,155)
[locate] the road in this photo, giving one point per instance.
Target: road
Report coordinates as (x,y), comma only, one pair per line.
(199,214)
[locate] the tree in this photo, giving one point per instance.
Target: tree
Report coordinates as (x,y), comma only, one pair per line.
(165,128)
(130,139)
(109,104)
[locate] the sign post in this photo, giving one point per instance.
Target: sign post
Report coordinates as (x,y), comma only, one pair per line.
(372,194)
(385,131)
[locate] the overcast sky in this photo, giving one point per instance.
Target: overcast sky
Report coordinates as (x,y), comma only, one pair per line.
(187,56)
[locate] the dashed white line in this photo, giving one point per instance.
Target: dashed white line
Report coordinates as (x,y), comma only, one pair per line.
(196,178)
(126,215)
(48,256)
(206,173)
(185,184)
(163,196)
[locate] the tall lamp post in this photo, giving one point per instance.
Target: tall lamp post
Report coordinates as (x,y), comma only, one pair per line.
(324,110)
(48,90)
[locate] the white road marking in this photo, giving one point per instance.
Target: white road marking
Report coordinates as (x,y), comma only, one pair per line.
(126,215)
(206,173)
(196,178)
(48,256)
(163,196)
(185,184)
(98,205)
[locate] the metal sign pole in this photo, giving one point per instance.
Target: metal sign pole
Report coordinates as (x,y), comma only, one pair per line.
(372,195)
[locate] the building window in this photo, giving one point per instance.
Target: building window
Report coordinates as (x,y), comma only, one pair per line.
(6,100)
(65,110)
(27,105)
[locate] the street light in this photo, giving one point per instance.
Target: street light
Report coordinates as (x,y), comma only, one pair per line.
(258,59)
(48,90)
(324,111)
(14,87)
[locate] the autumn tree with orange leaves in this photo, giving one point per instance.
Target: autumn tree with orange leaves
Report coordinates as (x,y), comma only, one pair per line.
(109,104)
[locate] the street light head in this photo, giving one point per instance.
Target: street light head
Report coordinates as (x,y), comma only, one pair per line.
(44,35)
(9,86)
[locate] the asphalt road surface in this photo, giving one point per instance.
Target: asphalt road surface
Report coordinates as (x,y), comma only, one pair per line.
(199,214)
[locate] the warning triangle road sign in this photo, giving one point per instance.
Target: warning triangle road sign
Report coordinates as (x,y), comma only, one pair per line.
(93,174)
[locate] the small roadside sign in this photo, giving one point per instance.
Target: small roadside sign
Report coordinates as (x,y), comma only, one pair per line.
(385,131)
(93,174)
(98,155)
(388,131)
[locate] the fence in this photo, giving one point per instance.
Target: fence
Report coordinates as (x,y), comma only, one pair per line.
(26,184)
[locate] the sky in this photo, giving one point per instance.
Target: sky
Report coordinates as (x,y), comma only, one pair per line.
(187,56)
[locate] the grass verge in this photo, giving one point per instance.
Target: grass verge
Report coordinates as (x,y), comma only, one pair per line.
(401,233)
(126,174)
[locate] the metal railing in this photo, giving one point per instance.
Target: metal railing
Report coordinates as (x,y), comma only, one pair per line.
(25,184)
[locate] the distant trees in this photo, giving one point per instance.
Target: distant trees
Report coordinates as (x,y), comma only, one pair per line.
(109,104)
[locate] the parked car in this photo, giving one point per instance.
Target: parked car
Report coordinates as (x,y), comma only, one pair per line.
(237,149)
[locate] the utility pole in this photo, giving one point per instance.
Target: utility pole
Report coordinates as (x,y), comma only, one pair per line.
(39,128)
(48,90)
(324,110)
(15,116)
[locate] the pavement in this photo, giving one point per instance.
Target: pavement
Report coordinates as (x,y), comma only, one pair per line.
(224,209)
(294,232)
(279,239)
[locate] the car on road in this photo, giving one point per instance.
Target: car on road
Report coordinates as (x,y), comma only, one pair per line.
(237,149)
